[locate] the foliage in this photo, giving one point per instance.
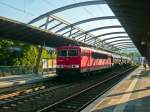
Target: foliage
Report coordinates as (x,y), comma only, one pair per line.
(54,55)
(134,53)
(45,54)
(5,52)
(27,57)
(24,56)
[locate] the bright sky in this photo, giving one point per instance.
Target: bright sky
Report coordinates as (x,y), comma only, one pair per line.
(26,10)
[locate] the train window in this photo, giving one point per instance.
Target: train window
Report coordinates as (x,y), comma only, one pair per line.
(99,56)
(62,53)
(73,52)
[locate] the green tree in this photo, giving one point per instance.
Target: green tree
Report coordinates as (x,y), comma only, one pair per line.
(5,52)
(25,57)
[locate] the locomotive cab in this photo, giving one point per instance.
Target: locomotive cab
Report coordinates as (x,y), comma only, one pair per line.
(68,60)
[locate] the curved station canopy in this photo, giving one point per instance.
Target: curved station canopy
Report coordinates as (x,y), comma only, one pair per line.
(73,22)
(91,22)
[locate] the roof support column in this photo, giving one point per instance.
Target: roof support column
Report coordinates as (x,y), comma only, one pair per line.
(47,21)
(40,49)
(85,38)
(148,53)
(95,41)
(38,58)
(70,32)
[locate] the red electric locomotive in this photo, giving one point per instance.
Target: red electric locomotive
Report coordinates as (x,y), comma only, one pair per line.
(75,60)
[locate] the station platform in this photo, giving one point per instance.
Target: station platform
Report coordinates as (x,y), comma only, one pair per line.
(131,95)
(16,80)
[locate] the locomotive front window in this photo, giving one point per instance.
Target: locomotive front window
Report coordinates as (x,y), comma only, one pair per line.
(62,53)
(73,52)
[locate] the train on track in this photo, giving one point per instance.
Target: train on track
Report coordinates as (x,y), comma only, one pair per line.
(77,60)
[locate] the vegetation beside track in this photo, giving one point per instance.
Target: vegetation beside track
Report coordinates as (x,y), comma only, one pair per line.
(15,53)
(19,58)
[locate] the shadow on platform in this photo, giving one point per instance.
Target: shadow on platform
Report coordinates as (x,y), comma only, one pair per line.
(134,91)
(144,73)
(136,105)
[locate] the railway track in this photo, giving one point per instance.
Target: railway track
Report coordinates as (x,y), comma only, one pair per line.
(50,97)
(13,94)
(23,88)
(79,100)
(32,92)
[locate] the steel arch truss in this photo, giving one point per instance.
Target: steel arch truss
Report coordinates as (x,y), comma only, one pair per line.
(119,41)
(86,21)
(53,23)
(104,41)
(111,38)
(117,46)
(106,34)
(75,31)
(99,28)
(80,4)
(122,43)
(59,26)
(125,47)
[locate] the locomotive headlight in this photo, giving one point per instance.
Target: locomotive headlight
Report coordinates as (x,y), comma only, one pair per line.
(75,66)
(60,66)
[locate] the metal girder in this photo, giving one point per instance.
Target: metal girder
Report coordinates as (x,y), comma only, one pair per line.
(95,2)
(101,28)
(74,33)
(47,23)
(118,41)
(105,27)
(47,19)
(125,47)
(68,31)
(83,37)
(87,20)
(115,45)
(55,26)
(87,38)
(115,38)
(111,38)
(105,34)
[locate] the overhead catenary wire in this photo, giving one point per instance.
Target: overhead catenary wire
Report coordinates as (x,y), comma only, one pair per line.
(66,14)
(17,9)
(48,2)
(90,13)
